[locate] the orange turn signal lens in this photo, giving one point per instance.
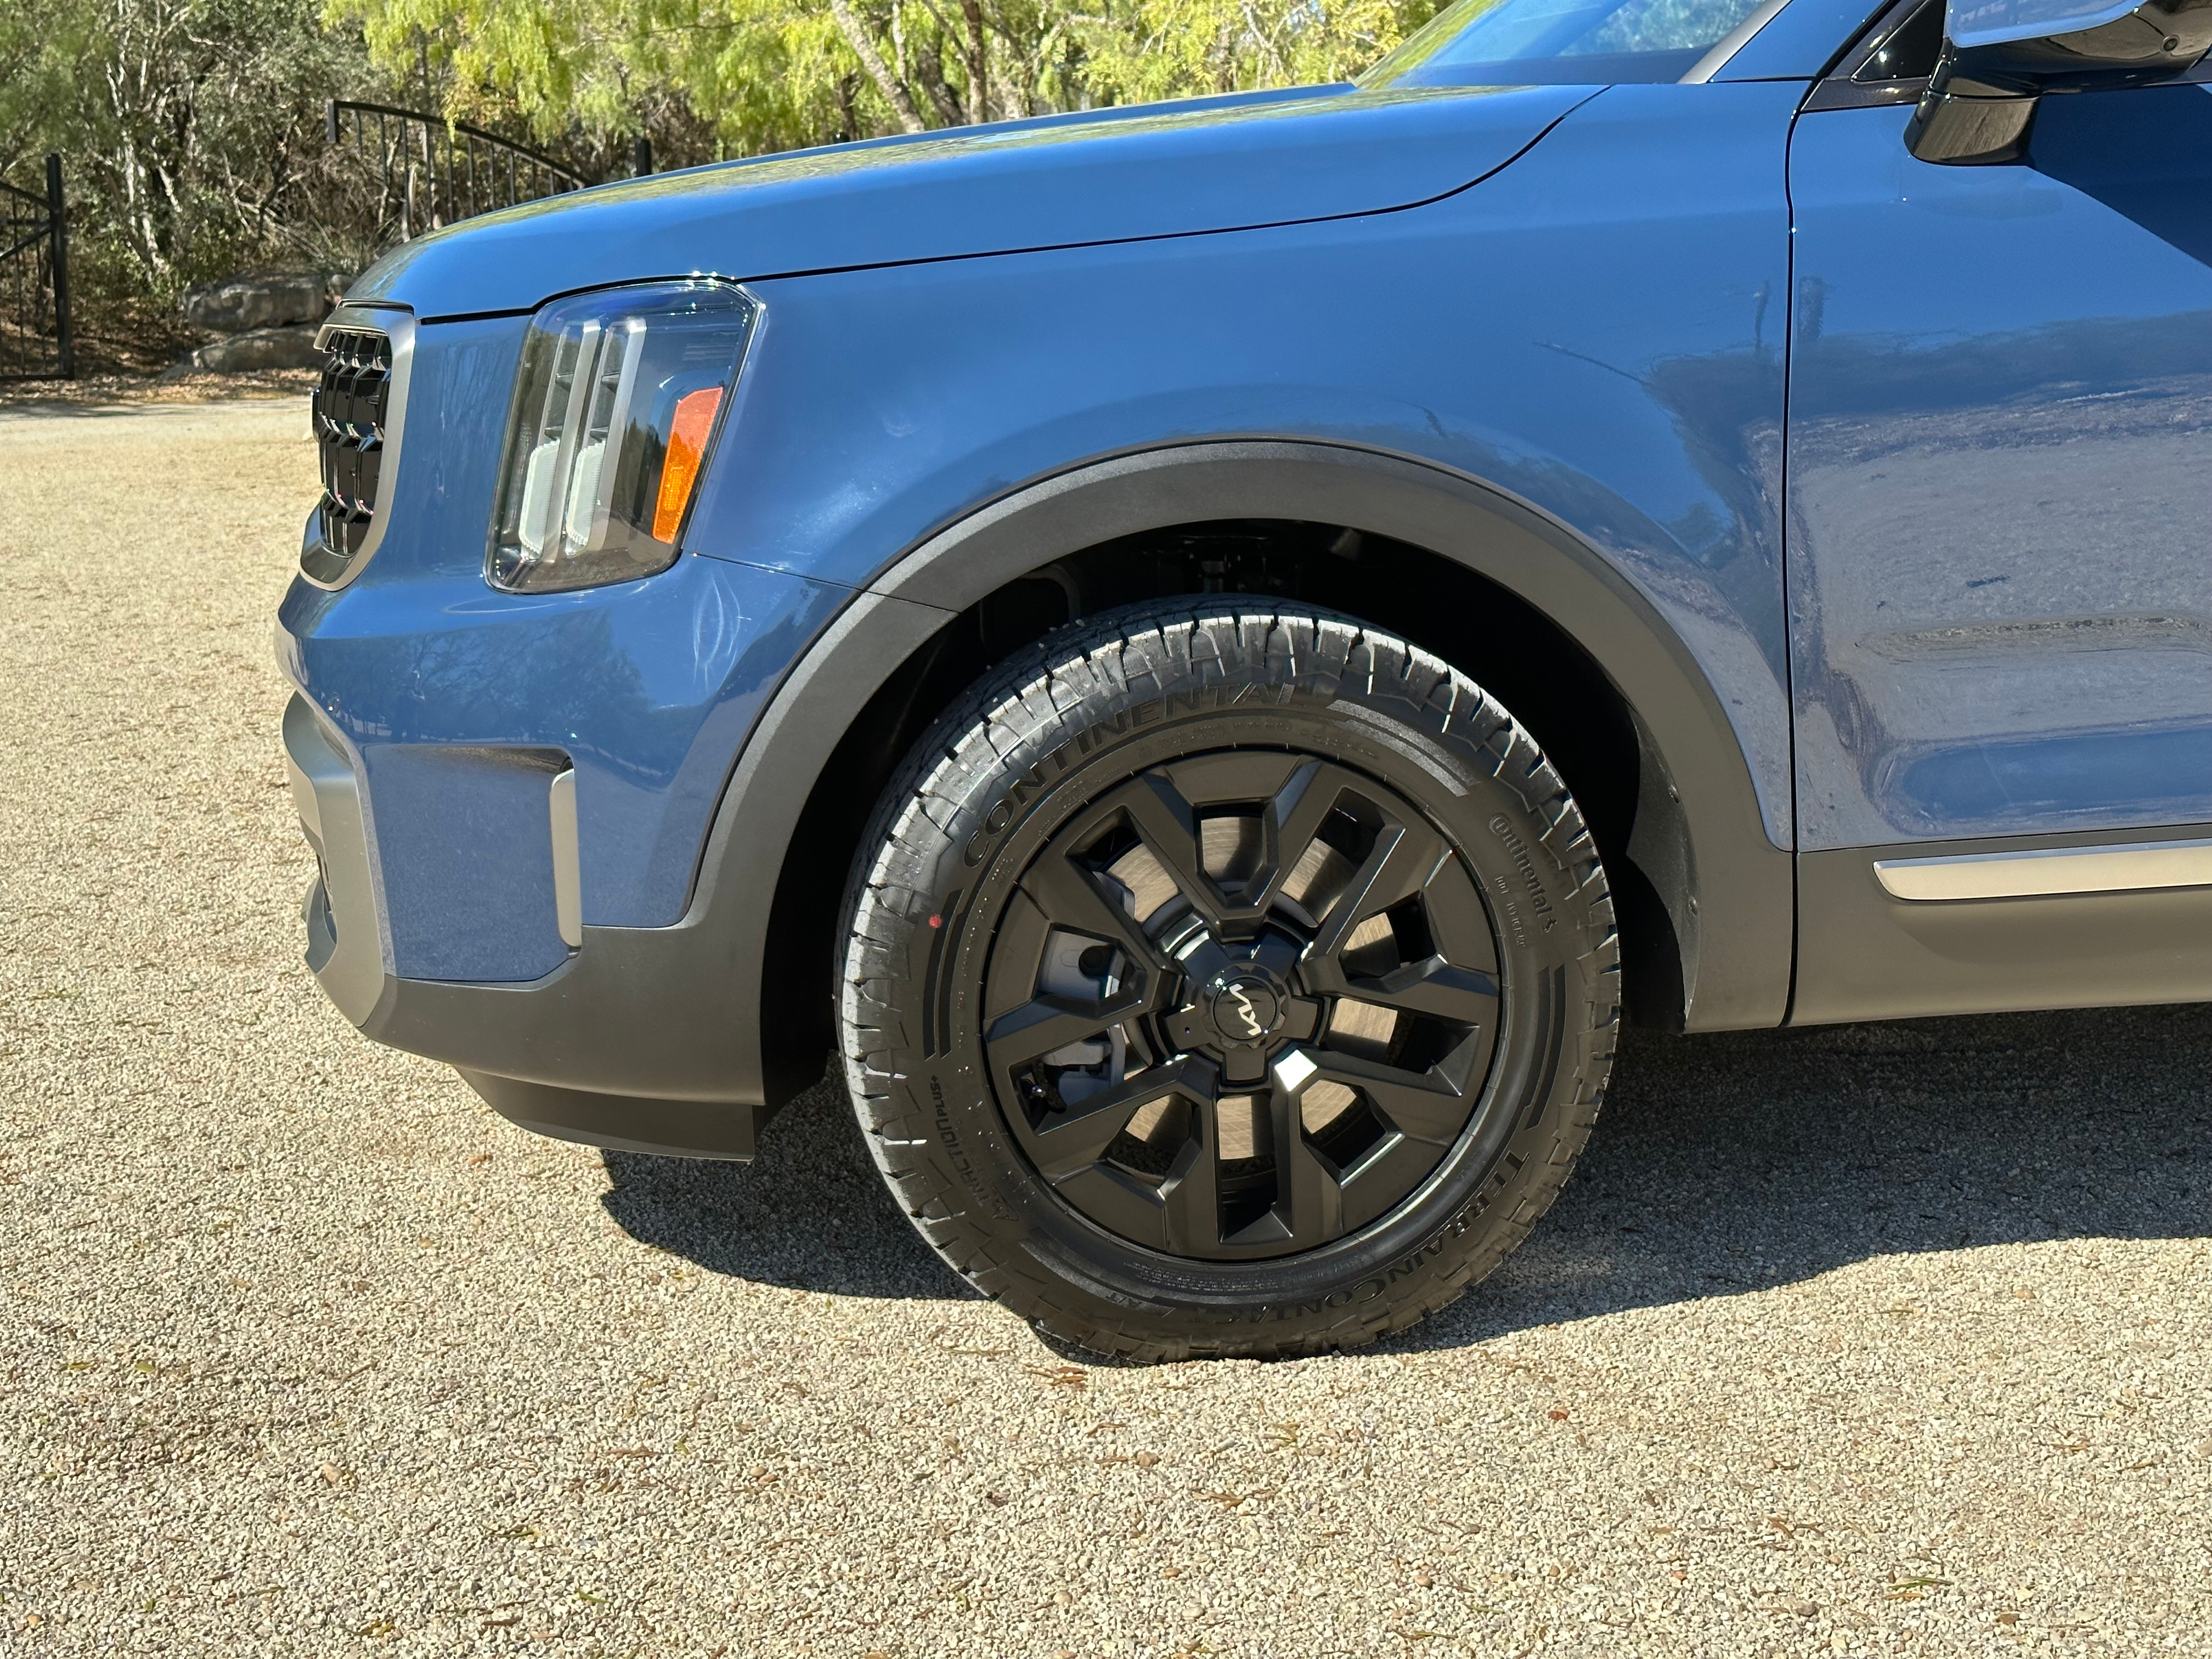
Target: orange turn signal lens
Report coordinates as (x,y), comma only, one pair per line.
(687,443)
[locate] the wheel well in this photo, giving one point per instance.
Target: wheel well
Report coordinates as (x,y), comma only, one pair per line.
(1548,682)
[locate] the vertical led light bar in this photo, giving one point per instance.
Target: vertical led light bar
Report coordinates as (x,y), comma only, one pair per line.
(616,407)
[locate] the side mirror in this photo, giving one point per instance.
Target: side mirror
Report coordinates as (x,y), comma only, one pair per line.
(2001,56)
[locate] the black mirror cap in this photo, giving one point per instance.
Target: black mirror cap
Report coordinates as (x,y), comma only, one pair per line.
(1958,128)
(1979,107)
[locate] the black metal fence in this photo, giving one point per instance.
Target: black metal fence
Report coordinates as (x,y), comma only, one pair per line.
(35,341)
(424,171)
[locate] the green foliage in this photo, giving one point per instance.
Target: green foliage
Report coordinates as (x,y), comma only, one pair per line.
(191,137)
(709,78)
(192,130)
(1174,48)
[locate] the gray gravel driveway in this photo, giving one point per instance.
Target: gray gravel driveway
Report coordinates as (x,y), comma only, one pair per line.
(1886,1339)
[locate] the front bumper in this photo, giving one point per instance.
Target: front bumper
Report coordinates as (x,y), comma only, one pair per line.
(510,795)
(626,1044)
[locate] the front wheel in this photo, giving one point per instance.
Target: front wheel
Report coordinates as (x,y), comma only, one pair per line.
(1226,977)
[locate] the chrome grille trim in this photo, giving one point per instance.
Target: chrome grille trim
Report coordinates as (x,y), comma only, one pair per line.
(358,413)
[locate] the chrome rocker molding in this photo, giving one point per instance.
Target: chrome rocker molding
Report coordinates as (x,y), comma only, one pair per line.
(2048,872)
(318,563)
(1980,927)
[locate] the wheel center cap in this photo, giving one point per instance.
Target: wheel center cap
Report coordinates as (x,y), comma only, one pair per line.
(1245,1007)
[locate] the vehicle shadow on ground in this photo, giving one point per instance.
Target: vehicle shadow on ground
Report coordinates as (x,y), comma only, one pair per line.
(810,1211)
(1721,1163)
(1739,1161)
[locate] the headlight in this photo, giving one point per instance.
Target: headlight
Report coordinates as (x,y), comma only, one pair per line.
(616,406)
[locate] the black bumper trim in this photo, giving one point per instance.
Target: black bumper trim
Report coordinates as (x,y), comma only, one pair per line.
(627,1123)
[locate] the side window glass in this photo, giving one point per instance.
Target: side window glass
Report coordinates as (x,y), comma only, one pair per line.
(1910,50)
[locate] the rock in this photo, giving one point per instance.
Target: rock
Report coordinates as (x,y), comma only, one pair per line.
(260,348)
(260,300)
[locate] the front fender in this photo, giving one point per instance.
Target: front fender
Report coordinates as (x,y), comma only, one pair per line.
(1595,331)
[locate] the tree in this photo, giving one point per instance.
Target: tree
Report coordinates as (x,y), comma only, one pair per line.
(192,138)
(710,78)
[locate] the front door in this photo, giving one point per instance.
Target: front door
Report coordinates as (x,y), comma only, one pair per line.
(1999,483)
(2000,476)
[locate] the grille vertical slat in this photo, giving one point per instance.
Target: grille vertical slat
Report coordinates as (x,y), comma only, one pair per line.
(350,410)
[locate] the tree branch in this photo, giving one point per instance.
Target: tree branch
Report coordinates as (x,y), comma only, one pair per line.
(931,74)
(872,61)
(979,83)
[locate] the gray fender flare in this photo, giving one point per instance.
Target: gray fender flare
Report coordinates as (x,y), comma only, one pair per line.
(1698,810)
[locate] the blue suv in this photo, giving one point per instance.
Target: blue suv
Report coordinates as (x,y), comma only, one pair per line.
(1212,653)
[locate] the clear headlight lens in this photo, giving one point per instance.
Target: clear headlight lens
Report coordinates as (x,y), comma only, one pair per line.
(615,408)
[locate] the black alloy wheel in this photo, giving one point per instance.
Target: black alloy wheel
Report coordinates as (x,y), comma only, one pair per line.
(1225,977)
(1249,1000)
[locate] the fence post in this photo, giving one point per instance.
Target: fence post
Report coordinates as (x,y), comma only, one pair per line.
(64,337)
(641,158)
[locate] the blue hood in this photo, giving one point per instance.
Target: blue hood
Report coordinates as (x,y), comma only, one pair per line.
(1117,175)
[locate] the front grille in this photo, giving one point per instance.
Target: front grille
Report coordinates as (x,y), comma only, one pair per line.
(349,412)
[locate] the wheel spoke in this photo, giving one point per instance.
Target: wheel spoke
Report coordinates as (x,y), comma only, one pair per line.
(1070,897)
(1425,1106)
(1292,818)
(1308,1197)
(1419,1110)
(1117,1202)
(1385,1177)
(1191,1193)
(1433,987)
(1077,1138)
(1048,1023)
(1458,924)
(1405,856)
(1168,824)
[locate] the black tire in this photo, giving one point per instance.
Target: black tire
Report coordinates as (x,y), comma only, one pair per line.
(1225,1216)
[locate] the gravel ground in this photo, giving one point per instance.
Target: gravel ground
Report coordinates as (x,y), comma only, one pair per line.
(1886,1339)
